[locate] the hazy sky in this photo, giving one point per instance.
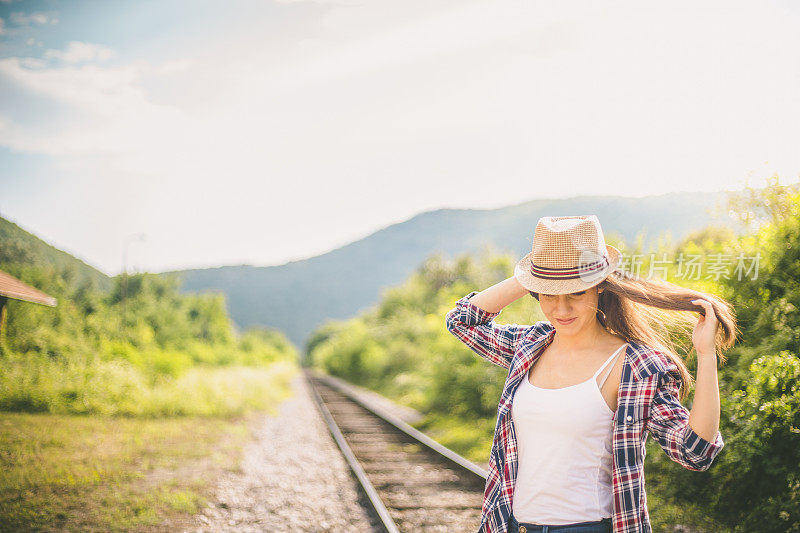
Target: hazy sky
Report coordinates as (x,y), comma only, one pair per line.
(264,131)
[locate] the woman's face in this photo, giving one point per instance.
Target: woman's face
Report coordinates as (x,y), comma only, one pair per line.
(571,312)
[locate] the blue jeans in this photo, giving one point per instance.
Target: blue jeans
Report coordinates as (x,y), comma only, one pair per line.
(601,526)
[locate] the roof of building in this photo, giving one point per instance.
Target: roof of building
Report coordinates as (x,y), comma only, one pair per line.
(14,288)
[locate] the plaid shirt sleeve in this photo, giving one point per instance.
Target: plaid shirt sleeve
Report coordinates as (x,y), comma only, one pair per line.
(669,425)
(475,327)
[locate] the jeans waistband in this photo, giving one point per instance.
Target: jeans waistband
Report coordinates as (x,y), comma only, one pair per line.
(597,525)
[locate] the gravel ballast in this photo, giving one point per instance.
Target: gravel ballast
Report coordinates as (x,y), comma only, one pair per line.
(293,478)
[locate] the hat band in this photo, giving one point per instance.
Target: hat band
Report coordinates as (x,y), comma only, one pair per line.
(568,273)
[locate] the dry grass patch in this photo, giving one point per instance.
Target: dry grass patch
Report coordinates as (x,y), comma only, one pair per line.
(64,472)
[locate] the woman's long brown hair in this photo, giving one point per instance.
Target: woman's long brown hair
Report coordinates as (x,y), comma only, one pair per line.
(643,310)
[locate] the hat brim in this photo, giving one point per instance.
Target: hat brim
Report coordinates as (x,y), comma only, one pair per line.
(522,272)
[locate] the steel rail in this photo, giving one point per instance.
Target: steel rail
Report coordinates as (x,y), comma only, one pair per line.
(412,432)
(355,466)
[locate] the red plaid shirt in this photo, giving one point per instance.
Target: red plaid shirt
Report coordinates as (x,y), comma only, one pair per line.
(647,402)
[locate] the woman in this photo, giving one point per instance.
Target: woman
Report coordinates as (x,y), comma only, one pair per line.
(586,386)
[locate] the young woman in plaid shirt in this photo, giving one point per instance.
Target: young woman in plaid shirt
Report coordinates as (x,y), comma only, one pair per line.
(568,451)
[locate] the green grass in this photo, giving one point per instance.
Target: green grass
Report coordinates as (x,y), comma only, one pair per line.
(472,439)
(99,473)
(116,388)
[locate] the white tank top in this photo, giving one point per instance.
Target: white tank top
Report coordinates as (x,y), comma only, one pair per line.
(564,443)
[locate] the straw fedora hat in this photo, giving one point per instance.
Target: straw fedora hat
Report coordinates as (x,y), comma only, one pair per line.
(569,254)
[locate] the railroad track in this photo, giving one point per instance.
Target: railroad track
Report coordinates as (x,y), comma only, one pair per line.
(414,483)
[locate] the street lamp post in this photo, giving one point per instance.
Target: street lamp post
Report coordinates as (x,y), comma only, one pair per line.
(128,240)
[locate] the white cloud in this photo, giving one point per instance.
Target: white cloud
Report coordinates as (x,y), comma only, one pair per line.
(468,26)
(80,52)
(441,72)
(114,114)
(2,23)
(331,2)
(170,67)
(27,19)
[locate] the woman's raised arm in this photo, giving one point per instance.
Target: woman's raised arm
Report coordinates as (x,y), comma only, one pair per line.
(471,321)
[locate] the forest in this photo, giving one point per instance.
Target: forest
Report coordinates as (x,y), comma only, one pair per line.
(153,352)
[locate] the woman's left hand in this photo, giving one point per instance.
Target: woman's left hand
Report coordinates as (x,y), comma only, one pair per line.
(705,331)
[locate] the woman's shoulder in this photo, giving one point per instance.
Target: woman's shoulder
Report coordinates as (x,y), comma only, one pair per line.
(537,331)
(647,360)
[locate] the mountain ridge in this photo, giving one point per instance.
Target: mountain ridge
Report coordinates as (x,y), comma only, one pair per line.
(299,295)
